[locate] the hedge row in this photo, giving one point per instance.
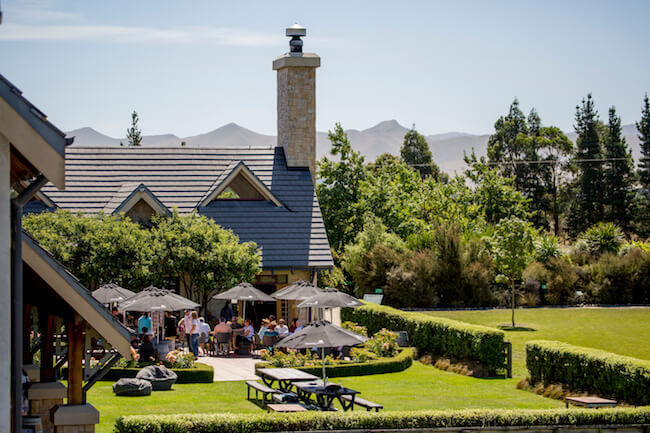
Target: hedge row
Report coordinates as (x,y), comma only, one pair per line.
(583,369)
(436,335)
(201,373)
(249,423)
(401,362)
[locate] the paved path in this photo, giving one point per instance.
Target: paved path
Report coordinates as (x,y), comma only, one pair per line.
(232,368)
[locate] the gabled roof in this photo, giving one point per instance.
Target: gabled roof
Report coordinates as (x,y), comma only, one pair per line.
(289,236)
(68,287)
(129,194)
(27,129)
(233,170)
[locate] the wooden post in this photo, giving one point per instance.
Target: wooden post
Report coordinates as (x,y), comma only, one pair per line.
(46,322)
(75,360)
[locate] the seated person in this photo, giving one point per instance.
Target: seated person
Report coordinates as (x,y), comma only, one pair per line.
(271,331)
(234,324)
(298,326)
(146,350)
(282,328)
(292,328)
(222,328)
(263,328)
(248,330)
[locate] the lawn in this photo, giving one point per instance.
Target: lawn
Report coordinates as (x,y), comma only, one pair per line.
(419,387)
(619,330)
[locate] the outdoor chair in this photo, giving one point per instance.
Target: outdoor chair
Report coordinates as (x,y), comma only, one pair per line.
(269,341)
(223,343)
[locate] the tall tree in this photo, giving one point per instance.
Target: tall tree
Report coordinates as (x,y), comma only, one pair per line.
(338,189)
(587,207)
(415,152)
(619,175)
(133,134)
(508,145)
(643,126)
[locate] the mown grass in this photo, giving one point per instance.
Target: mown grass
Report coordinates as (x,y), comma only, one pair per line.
(419,387)
(619,330)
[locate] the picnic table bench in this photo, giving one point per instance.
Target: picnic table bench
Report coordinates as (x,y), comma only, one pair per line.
(358,401)
(284,376)
(589,402)
(325,394)
(259,387)
(285,407)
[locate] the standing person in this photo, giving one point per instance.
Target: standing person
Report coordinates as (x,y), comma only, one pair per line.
(170,329)
(187,326)
(144,322)
(194,334)
(226,312)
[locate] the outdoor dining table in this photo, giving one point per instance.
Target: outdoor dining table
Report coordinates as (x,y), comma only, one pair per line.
(286,377)
(325,394)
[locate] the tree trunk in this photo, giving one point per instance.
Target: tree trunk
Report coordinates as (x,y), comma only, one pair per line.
(513,302)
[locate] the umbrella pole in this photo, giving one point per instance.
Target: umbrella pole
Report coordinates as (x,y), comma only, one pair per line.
(244,318)
(324,373)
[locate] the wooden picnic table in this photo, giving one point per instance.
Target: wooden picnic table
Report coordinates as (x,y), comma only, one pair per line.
(590,402)
(325,394)
(286,377)
(286,407)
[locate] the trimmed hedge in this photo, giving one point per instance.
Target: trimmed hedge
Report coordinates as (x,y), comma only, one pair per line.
(436,335)
(201,373)
(583,369)
(249,423)
(401,362)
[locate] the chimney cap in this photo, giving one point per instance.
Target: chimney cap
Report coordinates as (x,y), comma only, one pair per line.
(296,30)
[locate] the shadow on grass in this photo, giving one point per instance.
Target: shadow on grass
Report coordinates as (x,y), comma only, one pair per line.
(509,327)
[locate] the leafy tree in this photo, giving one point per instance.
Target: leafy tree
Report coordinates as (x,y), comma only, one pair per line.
(643,209)
(133,134)
(619,174)
(205,257)
(96,249)
(508,145)
(339,189)
(512,248)
(415,152)
(587,207)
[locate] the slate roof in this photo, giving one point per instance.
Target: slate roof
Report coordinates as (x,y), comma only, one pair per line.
(291,236)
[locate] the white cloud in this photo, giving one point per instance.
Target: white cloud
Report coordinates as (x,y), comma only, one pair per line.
(121,34)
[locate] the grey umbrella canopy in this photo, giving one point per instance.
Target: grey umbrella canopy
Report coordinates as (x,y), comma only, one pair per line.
(321,334)
(244,292)
(331,298)
(298,291)
(155,299)
(109,293)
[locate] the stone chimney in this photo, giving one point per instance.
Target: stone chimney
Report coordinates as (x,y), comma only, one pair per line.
(297,102)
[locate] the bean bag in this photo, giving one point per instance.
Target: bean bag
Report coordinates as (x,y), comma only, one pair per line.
(161,377)
(132,387)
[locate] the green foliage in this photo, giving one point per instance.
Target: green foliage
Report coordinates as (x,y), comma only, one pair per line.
(133,134)
(96,249)
(355,327)
(383,343)
(642,217)
(338,189)
(365,421)
(178,359)
(415,152)
(583,369)
(587,208)
(623,279)
(547,247)
(562,279)
(198,373)
(206,257)
(436,336)
(603,238)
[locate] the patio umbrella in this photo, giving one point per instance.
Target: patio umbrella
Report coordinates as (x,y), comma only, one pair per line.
(109,293)
(298,291)
(331,298)
(244,292)
(155,299)
(321,334)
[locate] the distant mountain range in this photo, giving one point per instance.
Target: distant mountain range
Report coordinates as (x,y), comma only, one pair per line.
(386,136)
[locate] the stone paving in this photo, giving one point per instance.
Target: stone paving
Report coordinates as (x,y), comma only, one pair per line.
(231,368)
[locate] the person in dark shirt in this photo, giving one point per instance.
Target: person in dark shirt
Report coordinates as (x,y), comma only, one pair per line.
(146,350)
(170,329)
(226,312)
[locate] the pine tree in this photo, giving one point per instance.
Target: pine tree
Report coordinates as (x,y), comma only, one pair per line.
(415,152)
(133,134)
(643,208)
(508,144)
(619,174)
(587,207)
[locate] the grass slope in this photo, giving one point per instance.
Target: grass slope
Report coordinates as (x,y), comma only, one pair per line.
(419,387)
(619,330)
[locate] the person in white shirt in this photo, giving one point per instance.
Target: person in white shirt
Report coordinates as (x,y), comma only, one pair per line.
(204,335)
(265,326)
(282,328)
(194,334)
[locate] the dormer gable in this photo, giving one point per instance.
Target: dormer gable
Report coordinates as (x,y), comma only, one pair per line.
(139,205)
(238,182)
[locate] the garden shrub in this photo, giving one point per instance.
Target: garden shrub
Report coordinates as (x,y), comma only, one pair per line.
(435,335)
(364,421)
(622,279)
(401,362)
(562,279)
(603,238)
(583,369)
(199,373)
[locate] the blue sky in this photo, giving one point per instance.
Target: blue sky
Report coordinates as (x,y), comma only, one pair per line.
(189,67)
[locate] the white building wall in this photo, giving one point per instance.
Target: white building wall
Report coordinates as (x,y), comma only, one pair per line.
(5,286)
